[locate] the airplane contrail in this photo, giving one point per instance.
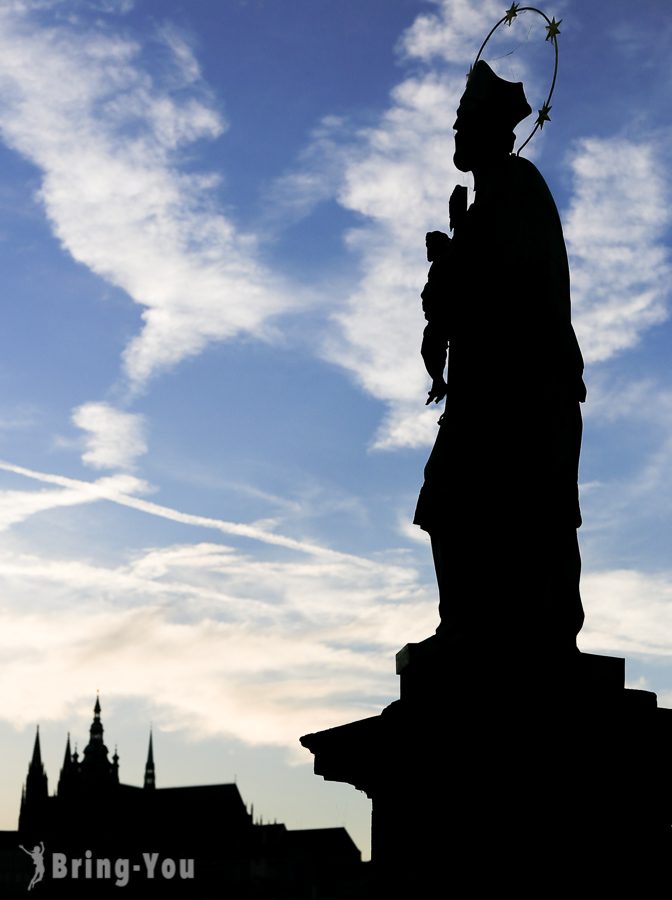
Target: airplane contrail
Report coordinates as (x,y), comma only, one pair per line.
(100,490)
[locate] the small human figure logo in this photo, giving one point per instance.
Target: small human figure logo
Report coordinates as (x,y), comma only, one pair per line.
(104,868)
(37,856)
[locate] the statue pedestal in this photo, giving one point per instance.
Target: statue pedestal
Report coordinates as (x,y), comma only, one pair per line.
(529,774)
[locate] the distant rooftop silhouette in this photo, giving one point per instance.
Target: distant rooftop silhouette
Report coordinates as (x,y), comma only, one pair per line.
(92,810)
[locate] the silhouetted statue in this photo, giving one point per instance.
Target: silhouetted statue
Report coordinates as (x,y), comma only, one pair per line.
(500,497)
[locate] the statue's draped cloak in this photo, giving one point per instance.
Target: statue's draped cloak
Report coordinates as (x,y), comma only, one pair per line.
(507,450)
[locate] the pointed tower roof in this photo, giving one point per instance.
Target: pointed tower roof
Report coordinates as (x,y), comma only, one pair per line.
(95,763)
(36,791)
(68,769)
(67,758)
(115,765)
(96,729)
(150,775)
(36,761)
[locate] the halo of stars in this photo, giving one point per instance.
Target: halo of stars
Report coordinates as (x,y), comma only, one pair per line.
(552,32)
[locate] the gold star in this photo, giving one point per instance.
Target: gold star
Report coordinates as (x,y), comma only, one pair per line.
(553,28)
(543,115)
(511,14)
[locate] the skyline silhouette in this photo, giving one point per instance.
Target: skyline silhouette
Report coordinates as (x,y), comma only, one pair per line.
(96,832)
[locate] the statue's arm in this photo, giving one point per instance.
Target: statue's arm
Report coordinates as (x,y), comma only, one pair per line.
(434,355)
(436,307)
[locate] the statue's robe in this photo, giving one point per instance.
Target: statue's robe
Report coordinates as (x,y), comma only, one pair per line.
(500,497)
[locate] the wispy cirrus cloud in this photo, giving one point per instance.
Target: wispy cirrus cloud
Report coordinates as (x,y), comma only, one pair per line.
(616,236)
(395,176)
(261,649)
(316,176)
(288,636)
(398,178)
(107,138)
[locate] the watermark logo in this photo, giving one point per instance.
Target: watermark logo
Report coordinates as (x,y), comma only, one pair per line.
(120,870)
(37,856)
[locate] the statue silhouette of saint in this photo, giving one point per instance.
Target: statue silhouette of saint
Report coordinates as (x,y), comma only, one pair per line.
(500,496)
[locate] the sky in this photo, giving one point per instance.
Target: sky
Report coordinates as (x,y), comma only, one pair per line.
(212,419)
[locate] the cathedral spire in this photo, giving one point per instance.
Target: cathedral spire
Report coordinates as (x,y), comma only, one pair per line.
(150,777)
(68,769)
(36,761)
(96,764)
(67,759)
(36,791)
(96,729)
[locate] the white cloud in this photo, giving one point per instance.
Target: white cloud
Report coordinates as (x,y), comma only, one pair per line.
(220,641)
(400,181)
(450,32)
(112,6)
(412,532)
(629,421)
(627,612)
(317,175)
(262,645)
(379,173)
(114,439)
(398,175)
(17,506)
(615,232)
(107,137)
(614,398)
(189,69)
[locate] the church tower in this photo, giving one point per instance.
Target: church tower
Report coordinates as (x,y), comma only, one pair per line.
(36,792)
(68,774)
(95,766)
(150,778)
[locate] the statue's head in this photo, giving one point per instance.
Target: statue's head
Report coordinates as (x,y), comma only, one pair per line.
(489,110)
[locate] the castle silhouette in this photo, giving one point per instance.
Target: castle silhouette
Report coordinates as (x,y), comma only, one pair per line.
(206,831)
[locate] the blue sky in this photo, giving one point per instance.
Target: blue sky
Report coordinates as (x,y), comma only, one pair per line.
(212,425)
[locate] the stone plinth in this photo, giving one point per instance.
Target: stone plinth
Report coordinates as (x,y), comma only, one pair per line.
(530,774)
